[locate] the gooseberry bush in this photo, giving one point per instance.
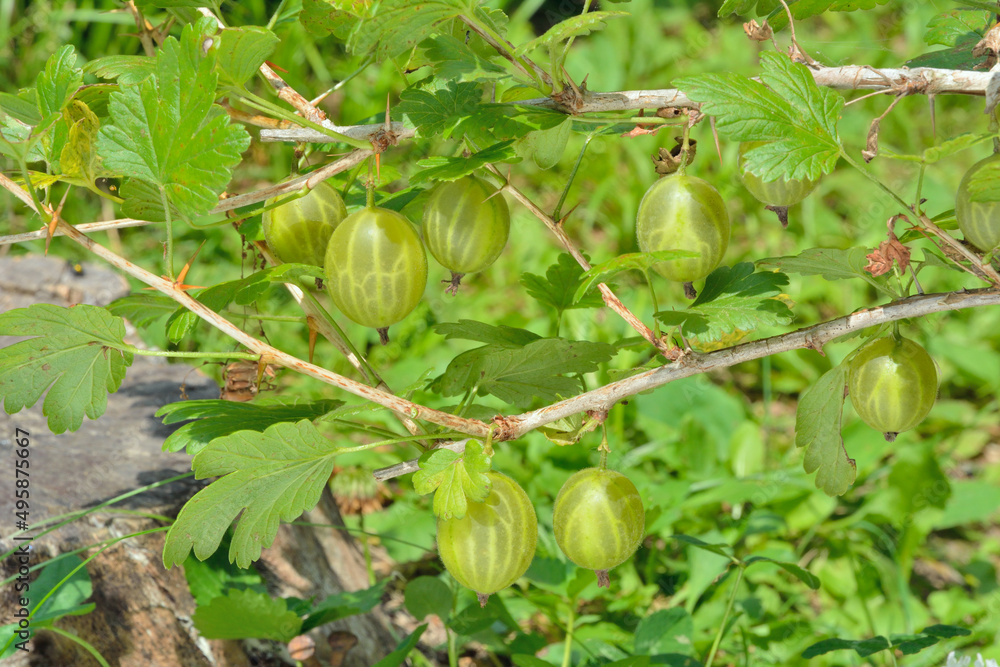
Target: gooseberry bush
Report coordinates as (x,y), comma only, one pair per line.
(568,405)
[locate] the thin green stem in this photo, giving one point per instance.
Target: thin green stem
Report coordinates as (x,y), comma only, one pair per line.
(190,355)
(557,213)
(685,147)
(84,644)
(725,617)
(500,43)
(275,15)
(656,306)
(568,644)
(452,647)
(904,208)
(23,165)
(401,439)
(920,187)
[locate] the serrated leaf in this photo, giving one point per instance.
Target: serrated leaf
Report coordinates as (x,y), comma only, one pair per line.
(143,201)
(636,261)
(455,61)
(337,17)
(247,614)
(800,573)
(574,26)
(58,82)
(558,288)
(168,132)
(795,118)
(507,121)
(451,168)
(440,111)
(126,70)
(817,428)
(216,418)
(733,300)
(399,25)
(78,354)
(23,106)
(454,479)
(955,145)
(242,51)
(345,605)
(948,28)
(265,478)
(78,159)
(831,264)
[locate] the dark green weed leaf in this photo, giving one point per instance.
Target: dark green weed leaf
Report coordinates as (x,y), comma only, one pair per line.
(500,335)
(454,478)
(440,111)
(428,595)
(786,109)
(817,428)
(454,60)
(397,657)
(665,631)
(78,354)
(800,573)
(719,549)
(143,309)
(264,478)
(247,614)
(344,605)
(951,27)
(863,647)
(439,168)
(957,57)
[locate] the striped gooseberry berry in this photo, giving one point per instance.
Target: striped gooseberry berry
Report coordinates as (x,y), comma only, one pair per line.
(466,224)
(599,520)
(492,545)
(376,268)
(298,231)
(893,383)
(979,221)
(681,212)
(778,194)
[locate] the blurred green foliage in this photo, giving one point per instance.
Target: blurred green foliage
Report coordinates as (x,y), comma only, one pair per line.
(914,542)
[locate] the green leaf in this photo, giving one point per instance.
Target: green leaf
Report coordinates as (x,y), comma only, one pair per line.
(636,261)
(247,614)
(863,647)
(396,658)
(78,159)
(501,335)
(456,61)
(546,147)
(574,26)
(558,288)
(212,577)
(440,111)
(77,353)
(264,478)
(127,70)
(23,106)
(786,109)
(954,145)
(338,17)
(665,631)
(399,25)
(428,595)
(242,51)
(817,428)
(58,82)
(452,168)
(490,123)
(142,309)
(957,57)
(720,549)
(733,300)
(344,605)
(217,418)
(950,27)
(800,573)
(454,479)
(800,8)
(168,132)
(832,264)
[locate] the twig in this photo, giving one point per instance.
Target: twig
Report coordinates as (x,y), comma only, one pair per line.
(267,353)
(140,24)
(813,337)
(612,301)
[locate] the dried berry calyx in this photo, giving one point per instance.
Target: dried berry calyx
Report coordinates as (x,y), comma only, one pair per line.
(299,230)
(683,212)
(493,544)
(376,268)
(599,520)
(893,384)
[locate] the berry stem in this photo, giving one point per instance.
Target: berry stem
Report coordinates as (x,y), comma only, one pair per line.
(689,290)
(383,335)
(603,580)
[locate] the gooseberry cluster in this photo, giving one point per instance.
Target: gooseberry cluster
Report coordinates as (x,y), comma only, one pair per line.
(374,259)
(598,520)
